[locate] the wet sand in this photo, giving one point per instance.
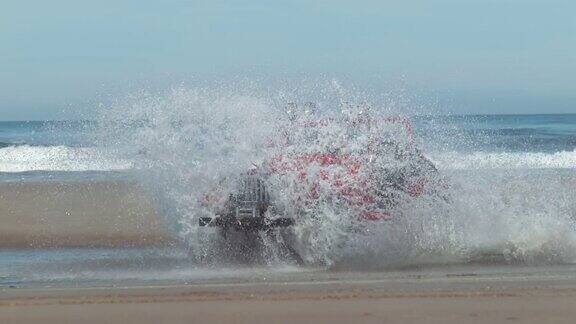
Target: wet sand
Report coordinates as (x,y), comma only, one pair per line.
(458,297)
(78,214)
(54,215)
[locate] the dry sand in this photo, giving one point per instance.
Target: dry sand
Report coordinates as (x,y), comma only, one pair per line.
(78,214)
(461,298)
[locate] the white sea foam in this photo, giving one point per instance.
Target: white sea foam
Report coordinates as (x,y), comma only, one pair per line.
(504,160)
(57,158)
(63,158)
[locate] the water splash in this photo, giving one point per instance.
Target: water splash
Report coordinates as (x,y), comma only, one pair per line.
(186,142)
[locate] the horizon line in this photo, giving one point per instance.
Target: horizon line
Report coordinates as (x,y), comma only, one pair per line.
(417,115)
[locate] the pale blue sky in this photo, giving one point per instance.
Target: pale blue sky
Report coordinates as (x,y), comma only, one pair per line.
(471,56)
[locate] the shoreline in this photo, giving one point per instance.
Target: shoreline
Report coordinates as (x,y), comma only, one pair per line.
(335,298)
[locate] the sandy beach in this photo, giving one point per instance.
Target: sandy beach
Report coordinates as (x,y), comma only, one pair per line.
(55,216)
(545,296)
(78,214)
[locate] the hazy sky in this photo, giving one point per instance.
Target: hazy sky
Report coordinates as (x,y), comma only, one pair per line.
(473,56)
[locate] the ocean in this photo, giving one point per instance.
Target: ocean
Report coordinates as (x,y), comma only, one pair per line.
(512,198)
(536,141)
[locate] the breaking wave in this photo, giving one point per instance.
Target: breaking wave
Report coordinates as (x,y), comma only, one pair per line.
(505,160)
(25,158)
